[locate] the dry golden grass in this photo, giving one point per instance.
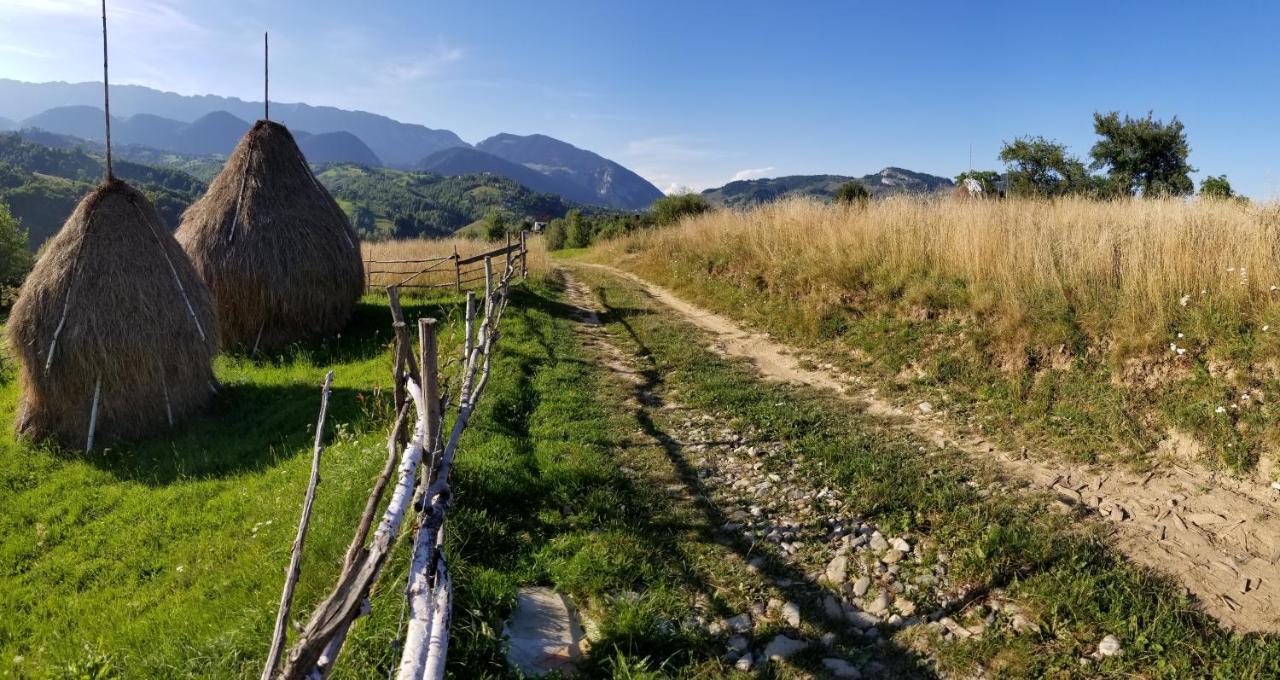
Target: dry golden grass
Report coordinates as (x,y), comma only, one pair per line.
(1042,272)
(425,249)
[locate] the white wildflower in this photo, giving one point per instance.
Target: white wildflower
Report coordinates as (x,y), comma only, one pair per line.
(1181,351)
(1266,328)
(1220,409)
(1185,299)
(1181,335)
(181,569)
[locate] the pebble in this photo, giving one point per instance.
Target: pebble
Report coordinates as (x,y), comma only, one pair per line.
(893,556)
(861,586)
(878,542)
(738,644)
(1022,624)
(838,569)
(791,614)
(839,668)
(881,604)
(739,624)
(782,647)
(901,545)
(745,663)
(1110,646)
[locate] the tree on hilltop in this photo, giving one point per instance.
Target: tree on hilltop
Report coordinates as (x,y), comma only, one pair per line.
(852,192)
(1143,154)
(1041,167)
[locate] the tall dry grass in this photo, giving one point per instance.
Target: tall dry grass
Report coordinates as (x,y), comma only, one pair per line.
(425,249)
(1128,273)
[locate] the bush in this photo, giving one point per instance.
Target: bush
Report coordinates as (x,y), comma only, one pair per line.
(578,230)
(1216,187)
(555,234)
(15,260)
(672,209)
(852,192)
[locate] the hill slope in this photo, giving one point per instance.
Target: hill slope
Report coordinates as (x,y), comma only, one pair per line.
(586,177)
(336,147)
(746,193)
(385,203)
(466,161)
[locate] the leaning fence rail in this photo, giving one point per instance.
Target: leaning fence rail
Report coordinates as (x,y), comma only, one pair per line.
(448,271)
(422,474)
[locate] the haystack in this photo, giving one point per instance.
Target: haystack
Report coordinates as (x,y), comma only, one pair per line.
(113,313)
(279,256)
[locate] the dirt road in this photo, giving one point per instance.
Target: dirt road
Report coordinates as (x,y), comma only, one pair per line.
(1220,537)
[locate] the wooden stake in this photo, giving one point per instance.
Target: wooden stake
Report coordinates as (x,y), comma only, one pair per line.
(106,97)
(469,327)
(266,77)
(457,271)
(93,416)
(524,253)
(295,561)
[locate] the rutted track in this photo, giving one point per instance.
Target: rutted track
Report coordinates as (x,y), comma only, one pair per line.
(1219,537)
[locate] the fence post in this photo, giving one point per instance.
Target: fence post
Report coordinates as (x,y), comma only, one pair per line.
(457,271)
(368,276)
(507,264)
(524,253)
(430,392)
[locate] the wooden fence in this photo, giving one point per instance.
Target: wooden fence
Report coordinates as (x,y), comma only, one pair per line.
(451,271)
(421,463)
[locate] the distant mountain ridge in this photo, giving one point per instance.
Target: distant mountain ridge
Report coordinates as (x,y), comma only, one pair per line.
(891,180)
(397,143)
(586,177)
(203,125)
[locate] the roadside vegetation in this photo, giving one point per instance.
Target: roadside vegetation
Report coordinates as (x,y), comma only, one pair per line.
(1102,326)
(579,230)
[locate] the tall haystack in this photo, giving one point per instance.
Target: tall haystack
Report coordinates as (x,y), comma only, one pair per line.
(279,256)
(112,321)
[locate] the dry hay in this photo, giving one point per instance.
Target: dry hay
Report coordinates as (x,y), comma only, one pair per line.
(277,252)
(113,302)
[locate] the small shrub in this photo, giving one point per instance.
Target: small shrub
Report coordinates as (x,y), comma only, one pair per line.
(852,192)
(671,209)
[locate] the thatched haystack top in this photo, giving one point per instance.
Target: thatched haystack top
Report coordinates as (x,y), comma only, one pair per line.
(277,252)
(113,300)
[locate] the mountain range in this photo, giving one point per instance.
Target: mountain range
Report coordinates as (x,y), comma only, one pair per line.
(211,125)
(891,180)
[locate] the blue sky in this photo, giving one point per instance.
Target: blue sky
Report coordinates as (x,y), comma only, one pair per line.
(696,93)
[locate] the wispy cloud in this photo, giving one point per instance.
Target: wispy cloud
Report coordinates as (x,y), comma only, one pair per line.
(401,71)
(751,173)
(666,147)
(24,51)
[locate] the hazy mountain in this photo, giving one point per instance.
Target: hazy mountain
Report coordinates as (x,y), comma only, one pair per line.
(586,177)
(749,192)
(215,133)
(336,147)
(85,122)
(6,124)
(401,144)
(465,161)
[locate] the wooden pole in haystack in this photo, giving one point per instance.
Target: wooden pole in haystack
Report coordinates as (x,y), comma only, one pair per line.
(106,98)
(266,77)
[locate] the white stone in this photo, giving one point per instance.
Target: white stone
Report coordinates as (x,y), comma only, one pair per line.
(839,668)
(739,624)
(782,647)
(861,586)
(791,614)
(837,570)
(900,544)
(544,633)
(1110,646)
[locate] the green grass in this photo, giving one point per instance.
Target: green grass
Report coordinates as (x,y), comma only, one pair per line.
(1065,574)
(163,557)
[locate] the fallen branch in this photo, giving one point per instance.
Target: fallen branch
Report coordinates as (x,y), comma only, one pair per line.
(295,561)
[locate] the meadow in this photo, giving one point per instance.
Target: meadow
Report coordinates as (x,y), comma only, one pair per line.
(1103,327)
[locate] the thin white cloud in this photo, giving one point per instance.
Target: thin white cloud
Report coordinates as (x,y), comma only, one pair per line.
(751,173)
(666,148)
(24,51)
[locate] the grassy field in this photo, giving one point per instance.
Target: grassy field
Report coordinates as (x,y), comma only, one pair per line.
(1101,328)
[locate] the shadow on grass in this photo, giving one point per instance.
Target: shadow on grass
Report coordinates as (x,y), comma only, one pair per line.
(247,428)
(898,660)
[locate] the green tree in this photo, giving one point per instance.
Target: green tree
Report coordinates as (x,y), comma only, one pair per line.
(15,259)
(987,178)
(577,230)
(495,224)
(1040,167)
(1216,187)
(852,192)
(672,209)
(555,234)
(1143,154)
